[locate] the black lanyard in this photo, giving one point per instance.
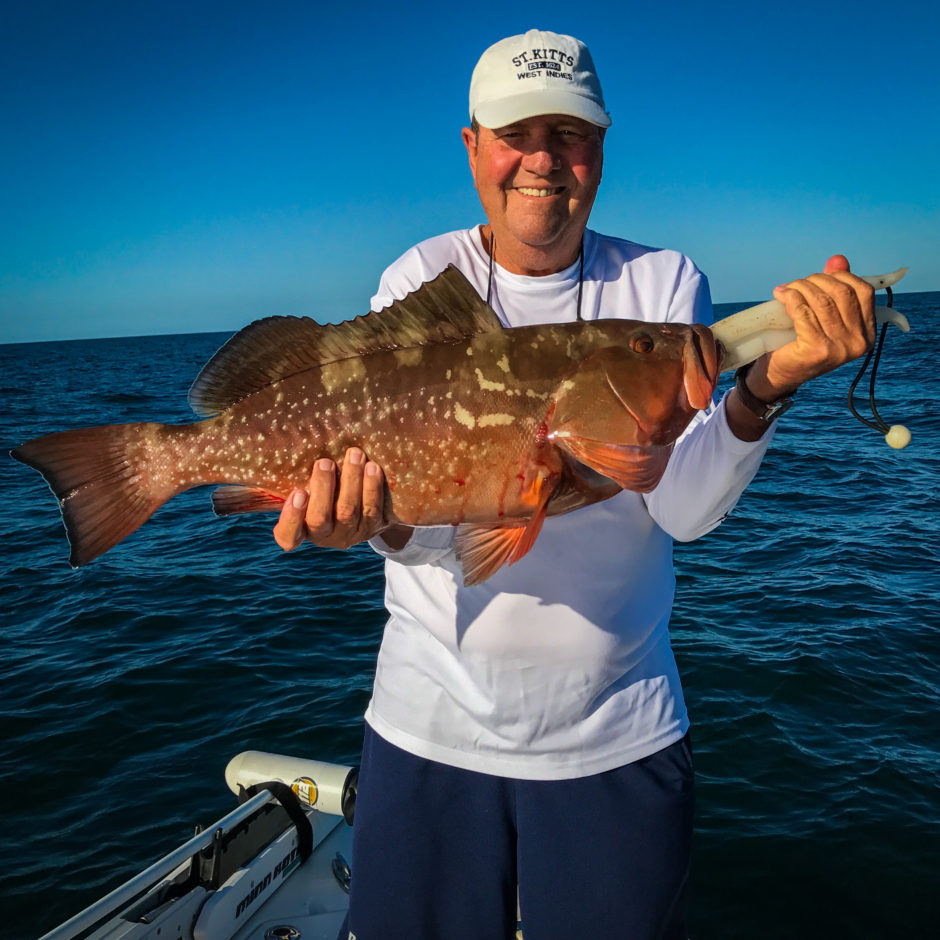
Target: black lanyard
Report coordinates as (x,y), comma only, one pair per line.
(490,282)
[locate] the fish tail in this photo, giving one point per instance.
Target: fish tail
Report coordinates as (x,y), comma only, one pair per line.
(103,480)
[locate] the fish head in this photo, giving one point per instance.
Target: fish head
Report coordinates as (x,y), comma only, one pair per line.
(627,401)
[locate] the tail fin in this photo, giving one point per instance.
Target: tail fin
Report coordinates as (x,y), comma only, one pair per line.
(100,477)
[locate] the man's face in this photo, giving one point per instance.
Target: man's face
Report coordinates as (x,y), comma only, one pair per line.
(537,180)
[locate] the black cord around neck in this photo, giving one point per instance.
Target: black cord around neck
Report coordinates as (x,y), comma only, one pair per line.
(490,280)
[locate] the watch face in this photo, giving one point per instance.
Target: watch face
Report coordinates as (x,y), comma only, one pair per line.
(776,409)
(766,411)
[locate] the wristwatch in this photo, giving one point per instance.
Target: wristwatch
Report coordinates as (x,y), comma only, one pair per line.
(766,411)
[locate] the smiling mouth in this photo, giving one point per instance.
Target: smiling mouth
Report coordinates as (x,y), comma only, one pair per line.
(539,191)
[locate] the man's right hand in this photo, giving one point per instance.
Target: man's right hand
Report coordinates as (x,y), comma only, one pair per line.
(339,516)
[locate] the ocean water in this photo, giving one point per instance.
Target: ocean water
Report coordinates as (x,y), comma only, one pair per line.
(807,630)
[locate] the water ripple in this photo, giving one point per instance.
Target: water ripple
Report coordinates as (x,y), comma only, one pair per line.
(806,630)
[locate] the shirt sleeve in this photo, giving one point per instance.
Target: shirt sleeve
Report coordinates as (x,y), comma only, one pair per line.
(709,468)
(403,276)
(383,297)
(705,477)
(427,545)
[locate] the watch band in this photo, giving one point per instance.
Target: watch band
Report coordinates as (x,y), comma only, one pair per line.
(766,411)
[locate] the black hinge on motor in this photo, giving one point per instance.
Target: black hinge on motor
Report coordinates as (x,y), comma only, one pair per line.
(288,800)
(348,803)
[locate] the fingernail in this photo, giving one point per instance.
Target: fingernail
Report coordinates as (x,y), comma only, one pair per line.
(372,469)
(325,464)
(781,287)
(355,456)
(299,499)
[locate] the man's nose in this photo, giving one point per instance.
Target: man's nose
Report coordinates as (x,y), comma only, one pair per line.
(541,160)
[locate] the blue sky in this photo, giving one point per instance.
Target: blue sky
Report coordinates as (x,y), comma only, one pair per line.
(192,166)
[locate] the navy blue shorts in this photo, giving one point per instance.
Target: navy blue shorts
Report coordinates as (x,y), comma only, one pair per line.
(440,853)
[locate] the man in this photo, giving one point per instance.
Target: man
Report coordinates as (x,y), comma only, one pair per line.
(529,734)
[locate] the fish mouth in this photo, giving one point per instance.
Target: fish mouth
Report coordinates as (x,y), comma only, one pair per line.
(702,360)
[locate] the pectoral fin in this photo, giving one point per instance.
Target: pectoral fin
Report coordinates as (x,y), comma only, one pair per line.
(633,467)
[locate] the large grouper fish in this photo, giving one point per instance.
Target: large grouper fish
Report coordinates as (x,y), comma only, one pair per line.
(475,425)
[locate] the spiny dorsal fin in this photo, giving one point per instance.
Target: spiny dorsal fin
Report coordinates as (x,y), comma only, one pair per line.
(446,309)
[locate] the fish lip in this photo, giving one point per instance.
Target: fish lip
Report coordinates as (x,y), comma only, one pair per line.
(707,355)
(721,352)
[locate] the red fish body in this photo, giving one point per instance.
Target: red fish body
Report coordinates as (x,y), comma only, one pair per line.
(488,428)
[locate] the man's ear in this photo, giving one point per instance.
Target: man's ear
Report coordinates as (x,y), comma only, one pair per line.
(470,142)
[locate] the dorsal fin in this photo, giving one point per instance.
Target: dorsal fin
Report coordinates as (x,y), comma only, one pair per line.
(446,309)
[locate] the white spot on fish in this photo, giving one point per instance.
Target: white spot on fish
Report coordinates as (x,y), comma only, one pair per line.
(504,364)
(355,369)
(463,416)
(409,357)
(447,375)
(487,421)
(487,385)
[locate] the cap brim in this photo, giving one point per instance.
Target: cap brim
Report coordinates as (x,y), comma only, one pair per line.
(536,102)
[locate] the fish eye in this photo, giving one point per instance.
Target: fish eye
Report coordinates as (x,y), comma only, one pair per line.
(642,343)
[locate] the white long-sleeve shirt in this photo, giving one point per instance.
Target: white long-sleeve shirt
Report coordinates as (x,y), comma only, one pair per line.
(559,665)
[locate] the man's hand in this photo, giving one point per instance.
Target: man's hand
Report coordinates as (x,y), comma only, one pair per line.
(833,315)
(335,515)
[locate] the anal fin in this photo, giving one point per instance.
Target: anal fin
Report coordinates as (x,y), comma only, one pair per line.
(232,500)
(484,549)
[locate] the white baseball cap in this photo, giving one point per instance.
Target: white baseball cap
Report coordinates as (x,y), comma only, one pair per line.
(536,73)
